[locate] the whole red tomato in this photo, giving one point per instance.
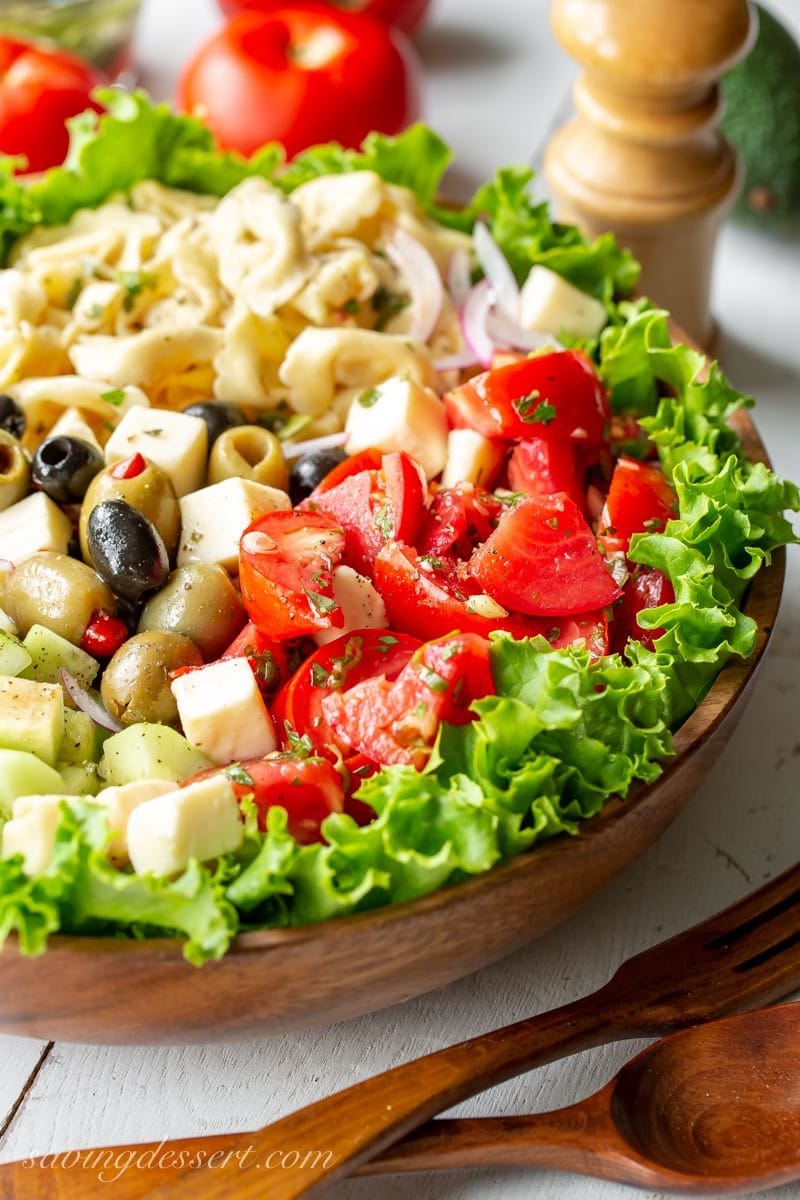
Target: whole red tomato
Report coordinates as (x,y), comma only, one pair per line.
(402,14)
(39,89)
(299,74)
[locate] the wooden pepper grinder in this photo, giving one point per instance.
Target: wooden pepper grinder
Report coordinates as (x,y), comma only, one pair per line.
(643,156)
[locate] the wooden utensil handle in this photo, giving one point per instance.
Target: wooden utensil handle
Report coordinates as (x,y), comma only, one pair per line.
(337,1133)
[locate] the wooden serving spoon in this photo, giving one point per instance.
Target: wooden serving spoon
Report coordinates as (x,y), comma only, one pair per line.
(715,1108)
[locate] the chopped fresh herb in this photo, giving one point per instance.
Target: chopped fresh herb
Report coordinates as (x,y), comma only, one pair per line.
(319,676)
(369,397)
(385,642)
(431,563)
(156,433)
(352,307)
(535,411)
(654,524)
(383,522)
(264,665)
(552,522)
(133,282)
(448,651)
(237,774)
(322,605)
(554,633)
(96,311)
(509,499)
(75,289)
(387,305)
(432,679)
(420,709)
(284,423)
(345,663)
(116,397)
(301,747)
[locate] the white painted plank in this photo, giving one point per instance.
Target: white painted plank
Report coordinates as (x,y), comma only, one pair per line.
(18,1058)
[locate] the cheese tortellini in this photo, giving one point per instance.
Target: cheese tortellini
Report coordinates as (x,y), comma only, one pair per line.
(260,298)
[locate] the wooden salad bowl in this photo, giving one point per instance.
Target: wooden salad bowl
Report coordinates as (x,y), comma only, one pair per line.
(113,990)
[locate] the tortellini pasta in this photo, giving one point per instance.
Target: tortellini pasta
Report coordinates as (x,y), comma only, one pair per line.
(260,299)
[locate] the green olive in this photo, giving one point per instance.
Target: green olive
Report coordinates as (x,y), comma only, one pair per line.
(136,683)
(151,492)
(58,592)
(15,471)
(200,602)
(248,452)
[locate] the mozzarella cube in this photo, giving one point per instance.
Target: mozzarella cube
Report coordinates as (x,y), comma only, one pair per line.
(471,458)
(200,821)
(31,831)
(120,803)
(72,424)
(33,524)
(222,712)
(361,605)
(548,304)
(400,414)
(214,519)
(173,441)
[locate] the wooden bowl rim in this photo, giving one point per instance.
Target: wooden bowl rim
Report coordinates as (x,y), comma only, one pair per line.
(762,603)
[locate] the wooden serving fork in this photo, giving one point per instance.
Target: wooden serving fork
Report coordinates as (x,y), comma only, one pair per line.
(746,956)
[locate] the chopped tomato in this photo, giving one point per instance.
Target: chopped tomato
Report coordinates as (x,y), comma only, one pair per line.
(367,460)
(397,722)
(646,588)
(271,662)
(375,507)
(286,560)
(555,396)
(458,520)
(540,467)
(432,597)
(641,499)
(336,667)
(310,789)
(543,560)
(590,629)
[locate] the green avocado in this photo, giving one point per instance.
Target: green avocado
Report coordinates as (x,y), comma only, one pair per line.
(762,119)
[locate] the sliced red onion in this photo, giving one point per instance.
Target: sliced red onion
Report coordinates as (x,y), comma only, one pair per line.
(459,276)
(329,442)
(497,270)
(505,332)
(7,565)
(456,362)
(86,702)
(474,318)
(421,276)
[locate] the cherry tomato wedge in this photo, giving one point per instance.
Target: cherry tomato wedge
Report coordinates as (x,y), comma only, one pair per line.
(286,561)
(458,519)
(641,499)
(554,396)
(646,588)
(397,722)
(375,507)
(335,667)
(540,467)
(310,789)
(366,460)
(590,630)
(543,560)
(432,598)
(271,662)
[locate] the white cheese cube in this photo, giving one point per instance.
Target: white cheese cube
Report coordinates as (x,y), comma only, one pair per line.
(214,519)
(222,712)
(120,803)
(33,524)
(400,414)
(361,605)
(200,821)
(172,440)
(548,304)
(31,831)
(71,423)
(471,458)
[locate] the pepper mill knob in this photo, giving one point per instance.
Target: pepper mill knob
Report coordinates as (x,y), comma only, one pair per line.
(643,155)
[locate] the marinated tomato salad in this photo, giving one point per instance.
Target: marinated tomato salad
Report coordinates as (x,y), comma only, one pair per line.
(351,544)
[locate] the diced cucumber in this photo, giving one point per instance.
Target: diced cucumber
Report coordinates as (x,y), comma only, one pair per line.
(79,779)
(14,658)
(31,717)
(83,740)
(50,652)
(23,774)
(149,752)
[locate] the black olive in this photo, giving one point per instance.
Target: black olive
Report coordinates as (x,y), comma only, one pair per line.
(218,417)
(12,418)
(63,467)
(310,470)
(127,550)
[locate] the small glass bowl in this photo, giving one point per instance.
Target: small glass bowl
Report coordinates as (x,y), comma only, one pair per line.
(98,30)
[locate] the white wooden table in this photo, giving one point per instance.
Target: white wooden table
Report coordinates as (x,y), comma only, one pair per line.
(495,78)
